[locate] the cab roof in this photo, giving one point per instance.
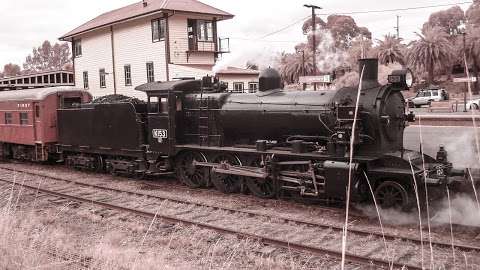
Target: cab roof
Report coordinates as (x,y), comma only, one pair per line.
(37,93)
(181,86)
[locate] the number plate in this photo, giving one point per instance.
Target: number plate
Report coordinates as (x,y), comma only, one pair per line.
(160,134)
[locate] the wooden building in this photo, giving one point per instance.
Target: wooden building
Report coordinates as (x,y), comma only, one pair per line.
(151,40)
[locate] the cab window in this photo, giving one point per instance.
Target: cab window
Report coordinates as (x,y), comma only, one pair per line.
(435,93)
(158,105)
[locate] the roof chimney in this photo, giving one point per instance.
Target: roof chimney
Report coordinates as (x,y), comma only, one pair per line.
(145,3)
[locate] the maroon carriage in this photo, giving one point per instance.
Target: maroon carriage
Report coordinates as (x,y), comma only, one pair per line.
(28,120)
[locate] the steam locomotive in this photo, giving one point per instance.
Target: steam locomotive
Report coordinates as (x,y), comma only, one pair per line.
(273,143)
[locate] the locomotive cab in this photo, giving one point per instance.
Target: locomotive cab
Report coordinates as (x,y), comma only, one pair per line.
(165,101)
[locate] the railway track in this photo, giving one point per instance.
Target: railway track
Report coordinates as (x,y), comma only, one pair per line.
(365,246)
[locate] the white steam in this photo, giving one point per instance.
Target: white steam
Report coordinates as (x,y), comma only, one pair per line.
(328,56)
(464,212)
(461,150)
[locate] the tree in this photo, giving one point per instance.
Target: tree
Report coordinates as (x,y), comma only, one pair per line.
(294,65)
(448,20)
(48,57)
(431,50)
(473,13)
(390,50)
(10,70)
(308,25)
(343,29)
(361,47)
(472,48)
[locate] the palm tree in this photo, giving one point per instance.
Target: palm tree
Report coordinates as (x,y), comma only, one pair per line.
(433,49)
(472,48)
(390,50)
(294,65)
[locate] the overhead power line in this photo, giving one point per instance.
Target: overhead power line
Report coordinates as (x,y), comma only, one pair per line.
(362,12)
(395,9)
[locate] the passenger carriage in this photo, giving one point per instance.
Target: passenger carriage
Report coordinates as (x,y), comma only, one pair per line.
(28,120)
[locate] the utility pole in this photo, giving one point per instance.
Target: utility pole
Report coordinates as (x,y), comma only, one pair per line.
(398,27)
(314,45)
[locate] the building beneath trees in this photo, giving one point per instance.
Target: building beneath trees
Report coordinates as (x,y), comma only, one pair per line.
(154,40)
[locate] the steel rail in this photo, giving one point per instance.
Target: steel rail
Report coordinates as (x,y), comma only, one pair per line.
(250,213)
(243,235)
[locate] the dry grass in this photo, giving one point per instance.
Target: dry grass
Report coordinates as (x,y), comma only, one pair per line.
(66,237)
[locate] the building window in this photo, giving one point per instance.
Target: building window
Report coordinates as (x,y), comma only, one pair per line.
(150,72)
(103,83)
(128,75)
(204,30)
(238,86)
(8,118)
(158,29)
(85,79)
(253,86)
(23,118)
(77,48)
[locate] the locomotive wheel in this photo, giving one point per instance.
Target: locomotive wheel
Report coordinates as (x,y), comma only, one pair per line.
(390,194)
(262,188)
(189,174)
(224,182)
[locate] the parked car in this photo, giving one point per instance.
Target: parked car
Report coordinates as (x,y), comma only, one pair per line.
(426,96)
(474,104)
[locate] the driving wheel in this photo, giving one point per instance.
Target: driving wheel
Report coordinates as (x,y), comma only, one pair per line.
(390,194)
(188,173)
(224,182)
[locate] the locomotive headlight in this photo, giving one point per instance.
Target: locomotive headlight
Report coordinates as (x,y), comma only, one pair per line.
(401,79)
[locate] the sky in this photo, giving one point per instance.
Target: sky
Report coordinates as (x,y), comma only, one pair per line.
(26,24)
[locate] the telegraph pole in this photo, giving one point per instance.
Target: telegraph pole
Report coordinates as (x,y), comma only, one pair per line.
(398,27)
(314,45)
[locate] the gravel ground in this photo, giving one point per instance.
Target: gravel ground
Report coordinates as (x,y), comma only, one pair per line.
(270,207)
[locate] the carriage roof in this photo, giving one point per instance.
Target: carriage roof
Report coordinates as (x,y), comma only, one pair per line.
(36,93)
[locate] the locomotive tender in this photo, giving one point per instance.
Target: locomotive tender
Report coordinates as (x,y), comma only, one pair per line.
(273,143)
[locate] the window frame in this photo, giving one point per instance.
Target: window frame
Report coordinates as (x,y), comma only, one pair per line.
(77,48)
(235,86)
(159,27)
(23,120)
(86,84)
(8,120)
(150,72)
(102,78)
(127,72)
(202,29)
(252,83)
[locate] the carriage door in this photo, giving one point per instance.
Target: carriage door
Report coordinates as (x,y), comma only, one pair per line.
(161,123)
(36,122)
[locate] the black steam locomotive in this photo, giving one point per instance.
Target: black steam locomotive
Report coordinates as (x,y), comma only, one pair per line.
(273,143)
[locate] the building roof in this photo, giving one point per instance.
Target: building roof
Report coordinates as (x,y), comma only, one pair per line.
(36,94)
(224,71)
(138,9)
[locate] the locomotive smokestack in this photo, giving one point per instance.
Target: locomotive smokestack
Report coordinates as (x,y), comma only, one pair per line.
(370,72)
(269,79)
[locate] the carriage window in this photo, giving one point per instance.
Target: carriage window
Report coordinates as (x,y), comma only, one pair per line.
(8,118)
(37,111)
(23,118)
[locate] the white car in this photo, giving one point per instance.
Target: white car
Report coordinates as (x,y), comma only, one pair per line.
(426,96)
(474,104)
